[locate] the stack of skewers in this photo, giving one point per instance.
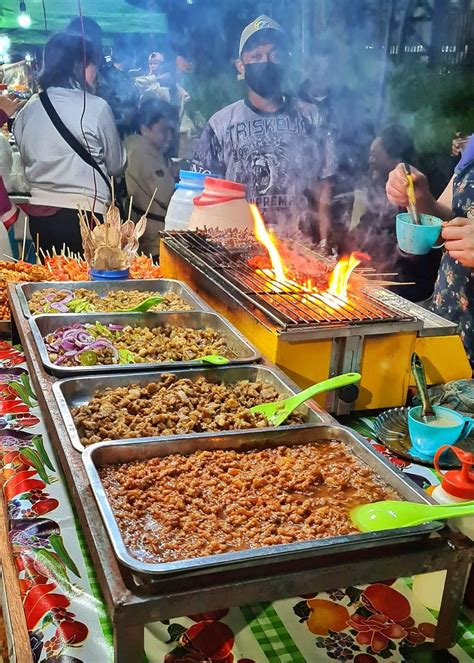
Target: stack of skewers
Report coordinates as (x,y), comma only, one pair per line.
(110,244)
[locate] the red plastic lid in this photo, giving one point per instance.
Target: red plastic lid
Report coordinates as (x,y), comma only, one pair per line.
(206,201)
(459,483)
(223,185)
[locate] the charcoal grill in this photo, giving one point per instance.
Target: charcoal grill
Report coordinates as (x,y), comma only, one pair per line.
(312,336)
(313,315)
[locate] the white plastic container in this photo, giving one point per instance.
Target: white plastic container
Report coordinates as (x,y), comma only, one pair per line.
(457,486)
(181,205)
(222,205)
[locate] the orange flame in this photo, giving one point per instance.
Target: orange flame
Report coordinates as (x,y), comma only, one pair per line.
(281,280)
(265,238)
(339,280)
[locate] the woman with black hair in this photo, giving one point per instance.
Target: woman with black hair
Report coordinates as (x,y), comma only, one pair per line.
(54,143)
(148,175)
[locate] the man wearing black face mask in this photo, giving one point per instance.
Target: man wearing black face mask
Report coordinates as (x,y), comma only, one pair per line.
(277,146)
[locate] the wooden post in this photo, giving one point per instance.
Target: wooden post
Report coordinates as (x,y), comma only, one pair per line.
(16,631)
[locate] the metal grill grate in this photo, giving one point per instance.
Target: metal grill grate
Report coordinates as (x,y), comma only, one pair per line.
(290,308)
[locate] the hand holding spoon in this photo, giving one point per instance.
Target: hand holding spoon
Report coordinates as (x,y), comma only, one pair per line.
(411,194)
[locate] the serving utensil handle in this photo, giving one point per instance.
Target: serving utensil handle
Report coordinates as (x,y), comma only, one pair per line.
(418,371)
(327,385)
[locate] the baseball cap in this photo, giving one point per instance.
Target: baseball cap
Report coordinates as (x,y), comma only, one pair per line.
(155,57)
(261,23)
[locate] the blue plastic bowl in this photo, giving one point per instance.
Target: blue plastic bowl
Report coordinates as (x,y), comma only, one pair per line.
(110,274)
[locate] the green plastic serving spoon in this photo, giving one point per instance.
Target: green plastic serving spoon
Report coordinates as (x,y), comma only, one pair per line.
(278,412)
(215,360)
(391,514)
(145,305)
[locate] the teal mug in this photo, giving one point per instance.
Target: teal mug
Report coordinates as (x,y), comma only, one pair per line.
(416,239)
(448,427)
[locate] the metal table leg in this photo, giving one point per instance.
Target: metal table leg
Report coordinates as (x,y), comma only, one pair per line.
(129,643)
(453,593)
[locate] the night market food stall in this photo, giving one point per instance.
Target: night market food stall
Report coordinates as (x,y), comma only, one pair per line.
(101,407)
(254,450)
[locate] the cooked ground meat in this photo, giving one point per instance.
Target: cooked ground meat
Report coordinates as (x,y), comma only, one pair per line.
(173,406)
(114,301)
(153,345)
(181,507)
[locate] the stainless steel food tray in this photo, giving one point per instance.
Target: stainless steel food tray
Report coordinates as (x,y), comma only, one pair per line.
(124,451)
(78,391)
(161,286)
(41,325)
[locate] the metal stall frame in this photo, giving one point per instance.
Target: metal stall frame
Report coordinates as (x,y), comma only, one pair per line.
(131,608)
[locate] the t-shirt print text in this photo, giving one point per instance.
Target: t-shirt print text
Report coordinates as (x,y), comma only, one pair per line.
(261,127)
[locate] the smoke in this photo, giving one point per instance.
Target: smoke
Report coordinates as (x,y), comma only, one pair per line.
(341,59)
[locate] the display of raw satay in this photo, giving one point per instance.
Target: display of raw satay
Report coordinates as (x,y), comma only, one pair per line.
(16,272)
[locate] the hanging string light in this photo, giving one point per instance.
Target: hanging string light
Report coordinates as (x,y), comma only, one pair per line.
(24,19)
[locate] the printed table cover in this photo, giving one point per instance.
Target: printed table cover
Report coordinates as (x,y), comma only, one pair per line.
(66,617)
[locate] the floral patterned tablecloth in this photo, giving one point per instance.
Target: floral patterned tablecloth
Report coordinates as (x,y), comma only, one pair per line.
(66,617)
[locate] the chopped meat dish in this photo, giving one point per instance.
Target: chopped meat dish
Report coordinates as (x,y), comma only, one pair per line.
(96,344)
(209,502)
(174,406)
(84,300)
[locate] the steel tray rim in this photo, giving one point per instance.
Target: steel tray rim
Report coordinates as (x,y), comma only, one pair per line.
(312,408)
(248,352)
(188,293)
(222,560)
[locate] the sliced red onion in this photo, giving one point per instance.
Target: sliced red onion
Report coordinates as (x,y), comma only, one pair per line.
(68,345)
(84,338)
(59,306)
(75,339)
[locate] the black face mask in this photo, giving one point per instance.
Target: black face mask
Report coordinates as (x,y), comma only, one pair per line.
(265,78)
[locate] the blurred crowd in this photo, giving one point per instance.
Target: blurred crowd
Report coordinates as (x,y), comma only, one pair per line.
(302,145)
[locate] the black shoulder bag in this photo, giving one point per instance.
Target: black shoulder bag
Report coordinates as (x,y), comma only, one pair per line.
(75,144)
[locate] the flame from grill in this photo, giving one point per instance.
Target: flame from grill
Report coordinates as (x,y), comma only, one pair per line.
(265,238)
(337,292)
(339,280)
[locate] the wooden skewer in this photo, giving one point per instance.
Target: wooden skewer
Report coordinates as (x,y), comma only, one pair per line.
(130,209)
(38,258)
(10,257)
(25,228)
(383,274)
(383,283)
(151,202)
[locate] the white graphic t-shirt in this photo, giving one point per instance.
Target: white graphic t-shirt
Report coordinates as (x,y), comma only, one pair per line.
(279,156)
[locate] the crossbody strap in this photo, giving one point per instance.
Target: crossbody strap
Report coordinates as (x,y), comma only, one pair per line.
(70,139)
